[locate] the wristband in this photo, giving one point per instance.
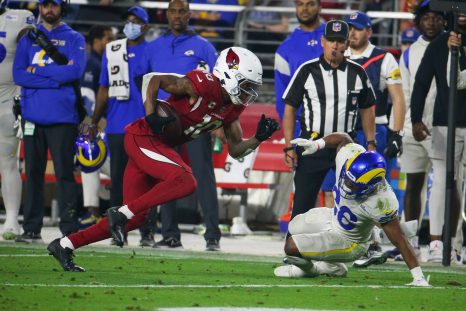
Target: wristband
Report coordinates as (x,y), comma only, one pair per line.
(320,143)
(417,273)
(286,149)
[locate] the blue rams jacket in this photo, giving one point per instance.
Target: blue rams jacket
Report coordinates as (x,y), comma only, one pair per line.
(300,47)
(47,96)
(178,54)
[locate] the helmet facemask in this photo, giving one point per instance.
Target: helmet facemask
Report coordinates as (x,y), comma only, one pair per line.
(240,73)
(352,190)
(245,92)
(361,175)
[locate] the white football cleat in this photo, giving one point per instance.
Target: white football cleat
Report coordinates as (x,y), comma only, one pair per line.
(292,271)
(422,282)
(331,269)
(435,251)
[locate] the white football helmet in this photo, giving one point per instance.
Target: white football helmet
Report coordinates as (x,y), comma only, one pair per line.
(240,73)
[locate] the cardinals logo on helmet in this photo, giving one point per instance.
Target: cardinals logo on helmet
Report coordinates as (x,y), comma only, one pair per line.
(232,60)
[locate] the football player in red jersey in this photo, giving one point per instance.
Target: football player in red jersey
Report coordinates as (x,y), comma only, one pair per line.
(155,172)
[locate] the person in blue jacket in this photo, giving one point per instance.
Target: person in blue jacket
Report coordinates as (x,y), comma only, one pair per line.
(119,98)
(302,45)
(50,117)
(180,50)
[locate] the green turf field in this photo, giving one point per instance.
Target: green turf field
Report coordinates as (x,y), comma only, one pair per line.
(147,279)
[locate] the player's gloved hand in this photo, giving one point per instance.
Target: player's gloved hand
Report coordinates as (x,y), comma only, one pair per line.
(265,128)
(394,146)
(310,145)
(158,123)
(421,282)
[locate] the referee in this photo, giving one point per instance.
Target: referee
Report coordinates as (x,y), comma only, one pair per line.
(331,90)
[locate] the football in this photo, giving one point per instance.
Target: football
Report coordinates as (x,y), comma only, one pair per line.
(173,130)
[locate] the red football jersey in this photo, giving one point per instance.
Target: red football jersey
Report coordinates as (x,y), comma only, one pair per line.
(208,113)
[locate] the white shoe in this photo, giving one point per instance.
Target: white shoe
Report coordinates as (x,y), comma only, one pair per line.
(435,251)
(289,271)
(331,269)
(455,258)
(422,282)
(239,227)
(296,267)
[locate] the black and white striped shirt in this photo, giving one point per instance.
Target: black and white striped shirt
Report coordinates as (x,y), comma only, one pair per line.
(330,97)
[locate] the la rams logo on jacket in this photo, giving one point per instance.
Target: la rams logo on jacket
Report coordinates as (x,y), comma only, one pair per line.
(41,58)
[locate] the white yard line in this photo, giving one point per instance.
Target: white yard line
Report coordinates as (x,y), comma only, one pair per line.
(236,309)
(389,267)
(225,286)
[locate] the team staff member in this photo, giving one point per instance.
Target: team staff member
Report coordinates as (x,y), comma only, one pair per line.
(180,51)
(11,22)
(434,65)
(384,74)
(415,160)
(48,103)
(301,46)
(121,108)
(331,91)
(97,38)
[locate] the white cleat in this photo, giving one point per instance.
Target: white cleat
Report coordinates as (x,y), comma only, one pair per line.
(435,251)
(331,269)
(291,271)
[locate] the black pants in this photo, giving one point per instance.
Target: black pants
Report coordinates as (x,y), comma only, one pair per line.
(60,139)
(118,161)
(200,155)
(308,178)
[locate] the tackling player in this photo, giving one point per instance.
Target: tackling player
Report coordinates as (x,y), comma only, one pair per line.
(11,24)
(323,238)
(155,172)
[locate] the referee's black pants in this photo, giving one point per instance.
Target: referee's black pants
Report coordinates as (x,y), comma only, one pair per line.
(308,178)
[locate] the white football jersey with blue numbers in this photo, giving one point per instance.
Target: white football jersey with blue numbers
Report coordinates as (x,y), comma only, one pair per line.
(356,219)
(11,23)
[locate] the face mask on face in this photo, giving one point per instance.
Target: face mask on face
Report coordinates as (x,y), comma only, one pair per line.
(132,31)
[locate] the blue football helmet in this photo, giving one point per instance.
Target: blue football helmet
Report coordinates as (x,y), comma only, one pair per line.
(90,153)
(361,174)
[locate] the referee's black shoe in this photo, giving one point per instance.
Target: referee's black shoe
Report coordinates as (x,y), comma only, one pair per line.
(116,223)
(64,256)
